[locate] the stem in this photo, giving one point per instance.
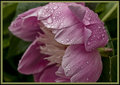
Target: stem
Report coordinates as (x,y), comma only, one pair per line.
(109,13)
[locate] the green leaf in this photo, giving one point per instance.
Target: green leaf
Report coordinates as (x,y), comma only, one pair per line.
(100,7)
(109,72)
(113,67)
(8,77)
(9,9)
(22,7)
(106,10)
(5,42)
(17,46)
(105,72)
(92,6)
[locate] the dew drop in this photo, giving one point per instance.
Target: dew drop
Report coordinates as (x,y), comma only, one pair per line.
(87,79)
(91,39)
(88,43)
(87,62)
(55,7)
(53,17)
(99,27)
(98,37)
(49,20)
(67,68)
(58,12)
(88,18)
(46,7)
(93,35)
(67,39)
(62,41)
(103,35)
(48,26)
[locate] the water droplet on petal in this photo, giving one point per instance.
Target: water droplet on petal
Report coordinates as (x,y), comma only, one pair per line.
(49,20)
(93,35)
(87,79)
(55,7)
(103,35)
(62,41)
(53,17)
(58,12)
(46,7)
(88,43)
(87,62)
(99,27)
(67,39)
(98,37)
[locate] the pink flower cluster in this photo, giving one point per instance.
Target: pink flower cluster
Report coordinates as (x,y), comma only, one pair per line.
(65,38)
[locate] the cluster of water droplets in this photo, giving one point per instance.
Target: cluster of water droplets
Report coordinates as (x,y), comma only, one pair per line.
(98,34)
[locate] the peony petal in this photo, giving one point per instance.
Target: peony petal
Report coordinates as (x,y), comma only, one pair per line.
(47,75)
(71,35)
(90,17)
(78,11)
(85,15)
(61,75)
(95,37)
(32,61)
(57,16)
(80,65)
(25,26)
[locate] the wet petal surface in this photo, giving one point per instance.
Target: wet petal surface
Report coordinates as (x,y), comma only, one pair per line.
(80,65)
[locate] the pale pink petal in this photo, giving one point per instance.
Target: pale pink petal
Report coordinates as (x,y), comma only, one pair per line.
(78,11)
(56,16)
(61,75)
(80,65)
(95,36)
(47,75)
(85,15)
(25,26)
(71,35)
(32,61)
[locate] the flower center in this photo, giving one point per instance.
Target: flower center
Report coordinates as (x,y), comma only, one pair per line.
(51,47)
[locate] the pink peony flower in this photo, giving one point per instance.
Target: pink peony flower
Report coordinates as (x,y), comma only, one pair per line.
(65,40)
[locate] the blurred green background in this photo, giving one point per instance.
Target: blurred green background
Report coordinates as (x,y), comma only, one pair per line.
(13,47)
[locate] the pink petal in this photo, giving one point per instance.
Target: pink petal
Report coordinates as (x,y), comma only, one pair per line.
(57,15)
(47,75)
(78,11)
(25,26)
(32,61)
(71,35)
(85,15)
(95,37)
(80,65)
(61,75)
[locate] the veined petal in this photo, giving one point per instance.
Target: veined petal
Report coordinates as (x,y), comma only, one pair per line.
(71,35)
(25,26)
(80,65)
(61,75)
(78,11)
(47,75)
(85,15)
(56,16)
(32,61)
(95,36)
